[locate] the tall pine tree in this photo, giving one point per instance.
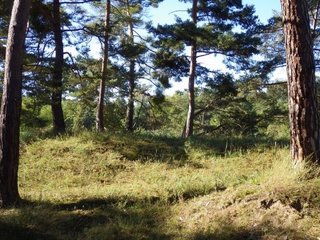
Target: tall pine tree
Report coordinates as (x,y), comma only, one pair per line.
(215,28)
(11,104)
(303,114)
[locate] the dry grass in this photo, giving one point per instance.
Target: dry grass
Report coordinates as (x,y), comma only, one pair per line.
(130,187)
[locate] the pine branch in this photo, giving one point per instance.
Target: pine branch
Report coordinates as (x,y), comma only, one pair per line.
(80,2)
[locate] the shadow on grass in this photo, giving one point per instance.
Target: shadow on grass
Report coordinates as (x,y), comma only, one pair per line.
(146,148)
(226,146)
(86,219)
(13,231)
(149,148)
(170,149)
(114,219)
(176,150)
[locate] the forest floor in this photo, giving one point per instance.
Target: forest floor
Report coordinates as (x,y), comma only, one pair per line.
(103,187)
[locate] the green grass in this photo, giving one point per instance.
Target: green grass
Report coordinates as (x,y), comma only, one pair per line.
(96,187)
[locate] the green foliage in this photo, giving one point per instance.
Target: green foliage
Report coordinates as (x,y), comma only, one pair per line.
(214,34)
(115,114)
(224,109)
(36,120)
(79,117)
(31,113)
(278,131)
(225,105)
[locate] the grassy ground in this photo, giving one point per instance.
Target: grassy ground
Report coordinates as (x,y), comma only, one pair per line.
(130,187)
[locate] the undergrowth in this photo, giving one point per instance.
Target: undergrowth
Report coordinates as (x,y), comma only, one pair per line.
(100,186)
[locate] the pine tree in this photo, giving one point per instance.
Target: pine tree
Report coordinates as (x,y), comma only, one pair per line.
(56,86)
(102,88)
(11,104)
(210,31)
(304,118)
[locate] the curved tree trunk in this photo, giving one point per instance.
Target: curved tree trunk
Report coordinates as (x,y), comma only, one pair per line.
(11,104)
(304,119)
(188,131)
(102,87)
(56,87)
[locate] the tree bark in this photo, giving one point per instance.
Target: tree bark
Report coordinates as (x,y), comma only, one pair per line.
(102,87)
(11,104)
(304,119)
(192,76)
(130,107)
(56,95)
(131,79)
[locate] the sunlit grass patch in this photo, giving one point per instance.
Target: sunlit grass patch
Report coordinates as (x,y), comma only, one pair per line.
(274,202)
(89,187)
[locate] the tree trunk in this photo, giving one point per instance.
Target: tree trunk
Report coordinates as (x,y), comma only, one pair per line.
(102,87)
(131,80)
(130,107)
(304,119)
(11,104)
(56,87)
(192,76)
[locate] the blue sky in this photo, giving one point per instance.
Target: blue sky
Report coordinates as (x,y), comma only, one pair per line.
(264,8)
(169,8)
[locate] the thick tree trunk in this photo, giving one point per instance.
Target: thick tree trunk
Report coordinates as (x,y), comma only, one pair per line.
(304,119)
(192,76)
(102,87)
(11,104)
(56,95)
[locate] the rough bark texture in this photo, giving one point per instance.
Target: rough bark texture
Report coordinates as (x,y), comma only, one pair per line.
(192,76)
(56,96)
(11,104)
(102,87)
(304,119)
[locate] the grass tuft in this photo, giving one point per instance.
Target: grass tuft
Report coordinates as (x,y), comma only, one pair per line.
(106,186)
